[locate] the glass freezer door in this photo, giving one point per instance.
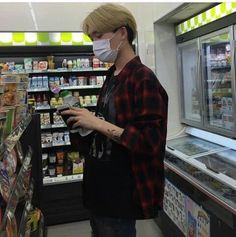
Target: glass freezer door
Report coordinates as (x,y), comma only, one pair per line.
(188,58)
(218,80)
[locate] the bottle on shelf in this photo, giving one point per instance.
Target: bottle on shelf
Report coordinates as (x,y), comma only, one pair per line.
(71,101)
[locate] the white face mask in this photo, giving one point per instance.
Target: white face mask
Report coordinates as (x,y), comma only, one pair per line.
(103,51)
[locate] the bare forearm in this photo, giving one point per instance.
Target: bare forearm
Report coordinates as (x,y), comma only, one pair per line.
(110,130)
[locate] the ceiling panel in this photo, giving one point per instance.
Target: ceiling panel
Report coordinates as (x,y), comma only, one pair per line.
(61,16)
(15,17)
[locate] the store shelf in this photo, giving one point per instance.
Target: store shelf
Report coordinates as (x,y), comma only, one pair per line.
(55,145)
(65,88)
(58,70)
(49,126)
(62,179)
(47,107)
(80,87)
(37,89)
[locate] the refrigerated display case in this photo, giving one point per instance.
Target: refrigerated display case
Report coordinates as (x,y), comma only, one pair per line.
(219,79)
(207,76)
(203,172)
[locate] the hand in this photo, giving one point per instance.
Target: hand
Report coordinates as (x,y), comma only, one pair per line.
(81,117)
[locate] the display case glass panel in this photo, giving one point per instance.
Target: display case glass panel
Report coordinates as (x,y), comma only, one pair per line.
(192,146)
(222,162)
(218,80)
(214,188)
(189,58)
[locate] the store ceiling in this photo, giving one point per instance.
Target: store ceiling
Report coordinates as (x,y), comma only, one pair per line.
(44,16)
(59,16)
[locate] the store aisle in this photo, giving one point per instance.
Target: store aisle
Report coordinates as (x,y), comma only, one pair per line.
(145,228)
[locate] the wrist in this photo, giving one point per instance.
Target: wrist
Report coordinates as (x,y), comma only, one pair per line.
(99,124)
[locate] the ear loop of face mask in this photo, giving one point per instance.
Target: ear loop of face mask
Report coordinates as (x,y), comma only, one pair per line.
(119,45)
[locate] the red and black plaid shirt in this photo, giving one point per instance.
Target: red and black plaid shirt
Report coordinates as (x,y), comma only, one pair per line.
(141,105)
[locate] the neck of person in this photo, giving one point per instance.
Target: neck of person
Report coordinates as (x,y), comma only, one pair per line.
(124,56)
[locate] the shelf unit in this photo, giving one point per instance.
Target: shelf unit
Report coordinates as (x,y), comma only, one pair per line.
(25,190)
(56,206)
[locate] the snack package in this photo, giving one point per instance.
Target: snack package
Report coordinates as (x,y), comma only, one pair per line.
(28,64)
(3,118)
(11,226)
(19,152)
(4,183)
(10,111)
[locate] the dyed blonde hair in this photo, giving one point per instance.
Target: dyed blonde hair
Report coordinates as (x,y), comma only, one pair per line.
(108,18)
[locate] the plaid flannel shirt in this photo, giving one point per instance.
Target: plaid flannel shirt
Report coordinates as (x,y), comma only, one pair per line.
(141,105)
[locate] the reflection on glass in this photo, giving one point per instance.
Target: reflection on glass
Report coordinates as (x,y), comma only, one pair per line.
(218,81)
(189,57)
(191,145)
(222,162)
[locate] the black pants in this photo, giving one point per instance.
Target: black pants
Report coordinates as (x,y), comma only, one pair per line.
(112,227)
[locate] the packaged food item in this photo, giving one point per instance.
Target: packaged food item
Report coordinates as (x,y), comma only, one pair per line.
(45,100)
(4,183)
(94,99)
(60,157)
(59,169)
(10,116)
(11,225)
(11,162)
(11,66)
(35,65)
(57,119)
(78,62)
(69,64)
(82,81)
(52,158)
(96,62)
(19,67)
(66,137)
(45,161)
(39,81)
(52,170)
(64,63)
(45,119)
(46,139)
(100,80)
(87,100)
(77,168)
(74,63)
(28,64)
(9,95)
(3,117)
(45,81)
(19,152)
(43,65)
(93,80)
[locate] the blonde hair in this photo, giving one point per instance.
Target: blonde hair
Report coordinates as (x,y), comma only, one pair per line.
(108,18)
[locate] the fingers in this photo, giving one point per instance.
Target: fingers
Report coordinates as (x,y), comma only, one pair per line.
(72,112)
(72,119)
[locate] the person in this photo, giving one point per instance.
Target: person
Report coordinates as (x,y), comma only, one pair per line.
(123,172)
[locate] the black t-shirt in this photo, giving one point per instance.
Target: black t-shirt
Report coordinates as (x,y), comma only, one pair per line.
(109,186)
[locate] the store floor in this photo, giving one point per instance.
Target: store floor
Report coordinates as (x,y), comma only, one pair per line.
(145,228)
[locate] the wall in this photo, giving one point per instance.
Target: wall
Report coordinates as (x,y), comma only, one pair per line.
(166,71)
